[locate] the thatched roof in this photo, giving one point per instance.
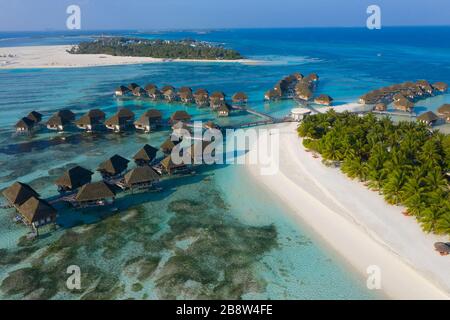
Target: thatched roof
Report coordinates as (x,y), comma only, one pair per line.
(18,193)
(66,114)
(304,93)
(143,174)
(114,165)
(444,109)
(298,75)
(146,153)
(323,99)
(96,113)
(74,178)
(125,113)
(57,120)
(138,91)
(185,95)
(239,97)
(168,88)
(87,120)
(201,93)
(180,116)
(153,91)
(116,120)
(35,116)
(25,123)
(442,247)
(271,94)
(150,86)
(169,144)
(185,89)
(224,107)
(169,165)
(153,114)
(440,86)
(217,95)
(404,104)
(132,86)
(95,191)
(428,116)
(35,210)
(312,77)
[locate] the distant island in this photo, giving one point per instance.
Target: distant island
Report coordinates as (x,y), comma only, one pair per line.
(169,49)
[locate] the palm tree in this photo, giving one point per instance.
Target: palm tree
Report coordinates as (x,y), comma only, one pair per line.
(392,189)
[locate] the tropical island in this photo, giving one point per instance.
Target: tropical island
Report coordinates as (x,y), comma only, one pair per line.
(157,48)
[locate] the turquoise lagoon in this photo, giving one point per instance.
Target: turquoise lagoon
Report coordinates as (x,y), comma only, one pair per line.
(212,235)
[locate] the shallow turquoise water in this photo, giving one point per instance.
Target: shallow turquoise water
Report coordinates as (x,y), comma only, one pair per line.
(215,235)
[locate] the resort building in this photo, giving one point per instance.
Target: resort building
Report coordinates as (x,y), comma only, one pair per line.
(140,178)
(303,93)
(37,213)
(88,123)
(403,104)
(223,110)
(272,95)
(186,96)
(169,167)
(216,99)
(298,114)
(201,97)
(429,118)
(380,107)
(73,179)
(18,193)
(169,93)
(440,87)
(144,123)
(132,86)
(180,116)
(96,114)
(24,125)
(120,121)
(113,167)
(145,155)
(95,194)
(239,98)
(153,93)
(324,99)
(35,116)
(66,114)
(139,92)
(167,146)
(57,122)
(444,112)
(121,91)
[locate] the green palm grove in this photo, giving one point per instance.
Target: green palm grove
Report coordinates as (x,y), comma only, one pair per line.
(406,162)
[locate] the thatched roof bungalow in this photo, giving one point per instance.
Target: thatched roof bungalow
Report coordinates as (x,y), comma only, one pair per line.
(57,122)
(140,177)
(167,146)
(180,115)
(120,120)
(37,212)
(139,92)
(95,194)
(113,167)
(201,97)
(324,99)
(223,110)
(74,178)
(66,114)
(216,98)
(303,93)
(429,118)
(18,193)
(97,114)
(154,93)
(444,112)
(404,105)
(239,98)
(272,95)
(87,122)
(170,95)
(149,119)
(186,95)
(440,86)
(145,155)
(170,167)
(24,125)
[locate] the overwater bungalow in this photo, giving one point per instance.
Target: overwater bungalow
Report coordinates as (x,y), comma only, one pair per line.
(35,116)
(139,92)
(404,105)
(18,193)
(272,95)
(121,91)
(440,86)
(97,114)
(73,179)
(216,98)
(150,86)
(324,99)
(120,121)
(239,98)
(380,107)
(113,167)
(170,95)
(303,93)
(170,167)
(201,97)
(180,115)
(223,110)
(425,86)
(145,155)
(444,112)
(95,194)
(88,123)
(148,120)
(298,76)
(24,125)
(66,114)
(429,118)
(126,113)
(37,213)
(167,146)
(140,178)
(132,86)
(154,93)
(57,122)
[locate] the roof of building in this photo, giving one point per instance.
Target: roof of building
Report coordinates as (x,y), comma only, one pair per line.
(143,174)
(95,191)
(25,123)
(74,177)
(146,153)
(35,209)
(428,116)
(114,165)
(18,193)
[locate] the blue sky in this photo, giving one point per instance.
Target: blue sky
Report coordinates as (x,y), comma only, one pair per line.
(191,14)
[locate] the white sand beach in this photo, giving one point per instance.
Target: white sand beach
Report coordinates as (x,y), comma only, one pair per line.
(39,57)
(357,223)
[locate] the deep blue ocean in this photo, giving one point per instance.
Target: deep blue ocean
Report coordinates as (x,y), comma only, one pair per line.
(200,237)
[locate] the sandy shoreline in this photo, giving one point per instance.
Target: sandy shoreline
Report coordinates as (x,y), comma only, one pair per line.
(357,223)
(41,57)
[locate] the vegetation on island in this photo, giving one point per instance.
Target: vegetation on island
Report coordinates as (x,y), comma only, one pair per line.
(406,162)
(170,49)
